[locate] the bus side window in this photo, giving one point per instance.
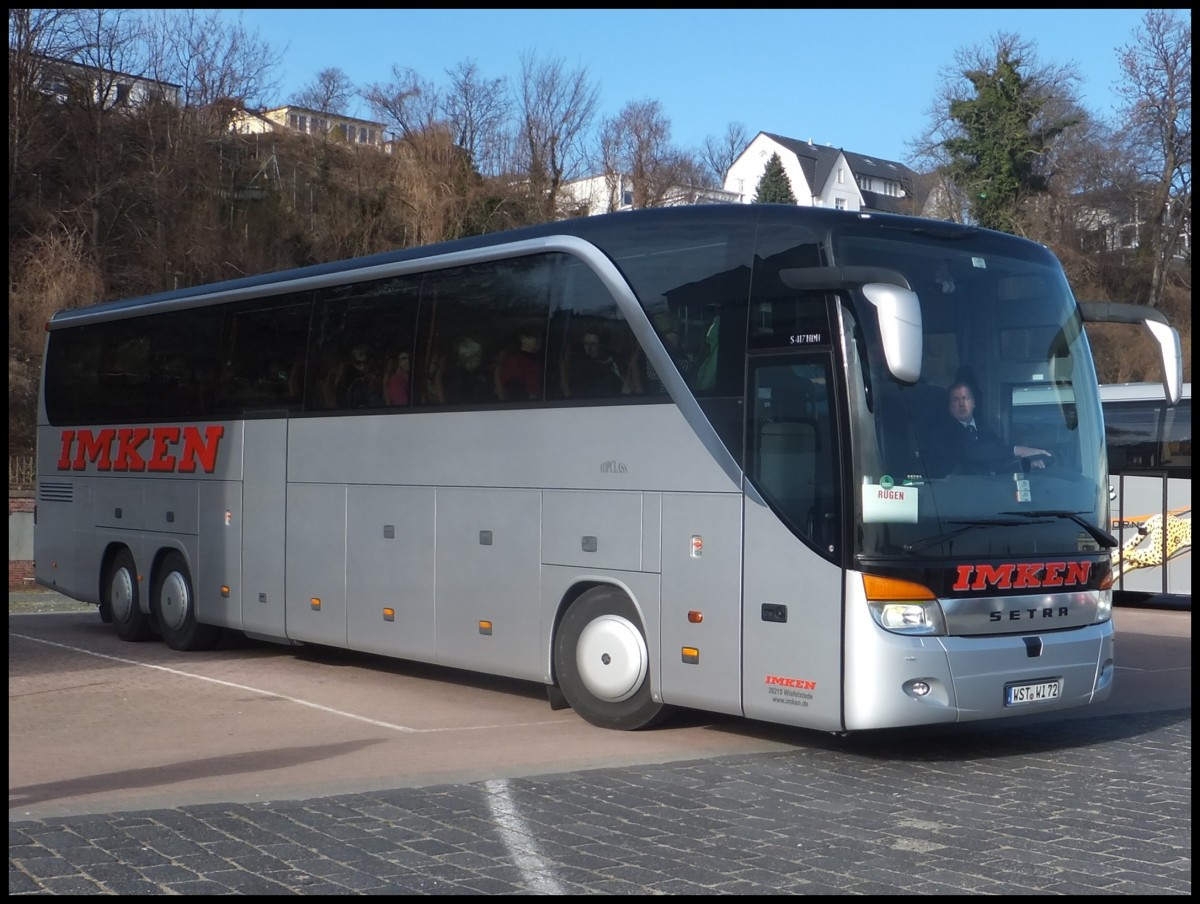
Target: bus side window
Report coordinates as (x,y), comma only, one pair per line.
(1131,434)
(1178,446)
(482,331)
(262,347)
(590,344)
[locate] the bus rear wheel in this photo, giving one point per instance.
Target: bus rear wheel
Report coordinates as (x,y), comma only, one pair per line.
(602,662)
(121,600)
(174,607)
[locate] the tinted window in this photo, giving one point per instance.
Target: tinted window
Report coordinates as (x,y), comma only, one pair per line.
(1148,436)
(364,343)
(591,347)
(262,356)
(161,367)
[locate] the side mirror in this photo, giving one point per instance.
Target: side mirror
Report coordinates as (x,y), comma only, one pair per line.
(896,304)
(1156,322)
(899,312)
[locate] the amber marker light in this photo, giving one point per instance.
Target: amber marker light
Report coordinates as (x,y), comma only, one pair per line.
(881,588)
(695,616)
(485,627)
(315,602)
(691,655)
(389,614)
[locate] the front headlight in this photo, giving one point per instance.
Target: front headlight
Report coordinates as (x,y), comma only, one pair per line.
(909,617)
(903,607)
(1104,606)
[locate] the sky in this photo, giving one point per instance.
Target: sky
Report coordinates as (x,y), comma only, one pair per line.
(861,80)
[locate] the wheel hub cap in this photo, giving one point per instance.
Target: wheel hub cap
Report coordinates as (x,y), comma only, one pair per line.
(612,658)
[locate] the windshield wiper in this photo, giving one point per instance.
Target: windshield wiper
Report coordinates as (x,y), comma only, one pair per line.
(1099,534)
(970,525)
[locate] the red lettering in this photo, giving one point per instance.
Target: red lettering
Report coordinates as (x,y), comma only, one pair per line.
(93,448)
(64,456)
(202,450)
(964,577)
(1077,572)
(998,576)
(1021,575)
(1053,576)
(801,683)
(127,455)
(159,459)
(1027,574)
(81,448)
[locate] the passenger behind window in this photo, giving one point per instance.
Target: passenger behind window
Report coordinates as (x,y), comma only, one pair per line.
(590,370)
(519,372)
(333,377)
(642,378)
(361,386)
(397,379)
(706,369)
(463,380)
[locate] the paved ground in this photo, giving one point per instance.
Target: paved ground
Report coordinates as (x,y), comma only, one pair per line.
(1098,805)
(1044,810)
(44,601)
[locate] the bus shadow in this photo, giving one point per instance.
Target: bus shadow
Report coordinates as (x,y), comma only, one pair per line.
(169,775)
(982,740)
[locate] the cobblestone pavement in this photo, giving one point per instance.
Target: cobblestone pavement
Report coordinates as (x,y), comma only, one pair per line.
(1081,806)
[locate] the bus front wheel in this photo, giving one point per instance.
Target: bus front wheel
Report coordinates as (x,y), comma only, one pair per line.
(121,600)
(602,662)
(174,607)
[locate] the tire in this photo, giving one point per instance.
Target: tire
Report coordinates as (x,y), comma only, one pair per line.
(122,600)
(602,662)
(174,607)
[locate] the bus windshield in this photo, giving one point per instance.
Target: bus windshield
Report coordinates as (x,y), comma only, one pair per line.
(786,360)
(996,450)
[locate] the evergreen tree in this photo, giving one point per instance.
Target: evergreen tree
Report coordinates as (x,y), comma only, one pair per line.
(774,187)
(1006,133)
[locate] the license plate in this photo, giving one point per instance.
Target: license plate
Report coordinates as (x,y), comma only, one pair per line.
(1037,692)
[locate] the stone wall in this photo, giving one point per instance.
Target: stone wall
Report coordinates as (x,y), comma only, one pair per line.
(20,542)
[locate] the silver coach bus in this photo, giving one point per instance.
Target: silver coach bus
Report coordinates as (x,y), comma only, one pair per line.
(1150,460)
(684,457)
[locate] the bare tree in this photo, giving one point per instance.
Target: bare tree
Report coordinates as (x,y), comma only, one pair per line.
(108,46)
(408,104)
(1157,133)
(476,109)
(719,153)
(36,38)
(432,176)
(556,107)
(218,65)
(637,143)
(331,91)
(214,65)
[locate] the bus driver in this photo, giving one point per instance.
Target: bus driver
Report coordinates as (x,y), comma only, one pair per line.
(972,446)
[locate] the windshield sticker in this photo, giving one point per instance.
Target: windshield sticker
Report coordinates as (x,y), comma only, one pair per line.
(884,502)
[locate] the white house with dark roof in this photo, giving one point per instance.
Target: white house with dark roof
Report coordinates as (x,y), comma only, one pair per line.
(823,176)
